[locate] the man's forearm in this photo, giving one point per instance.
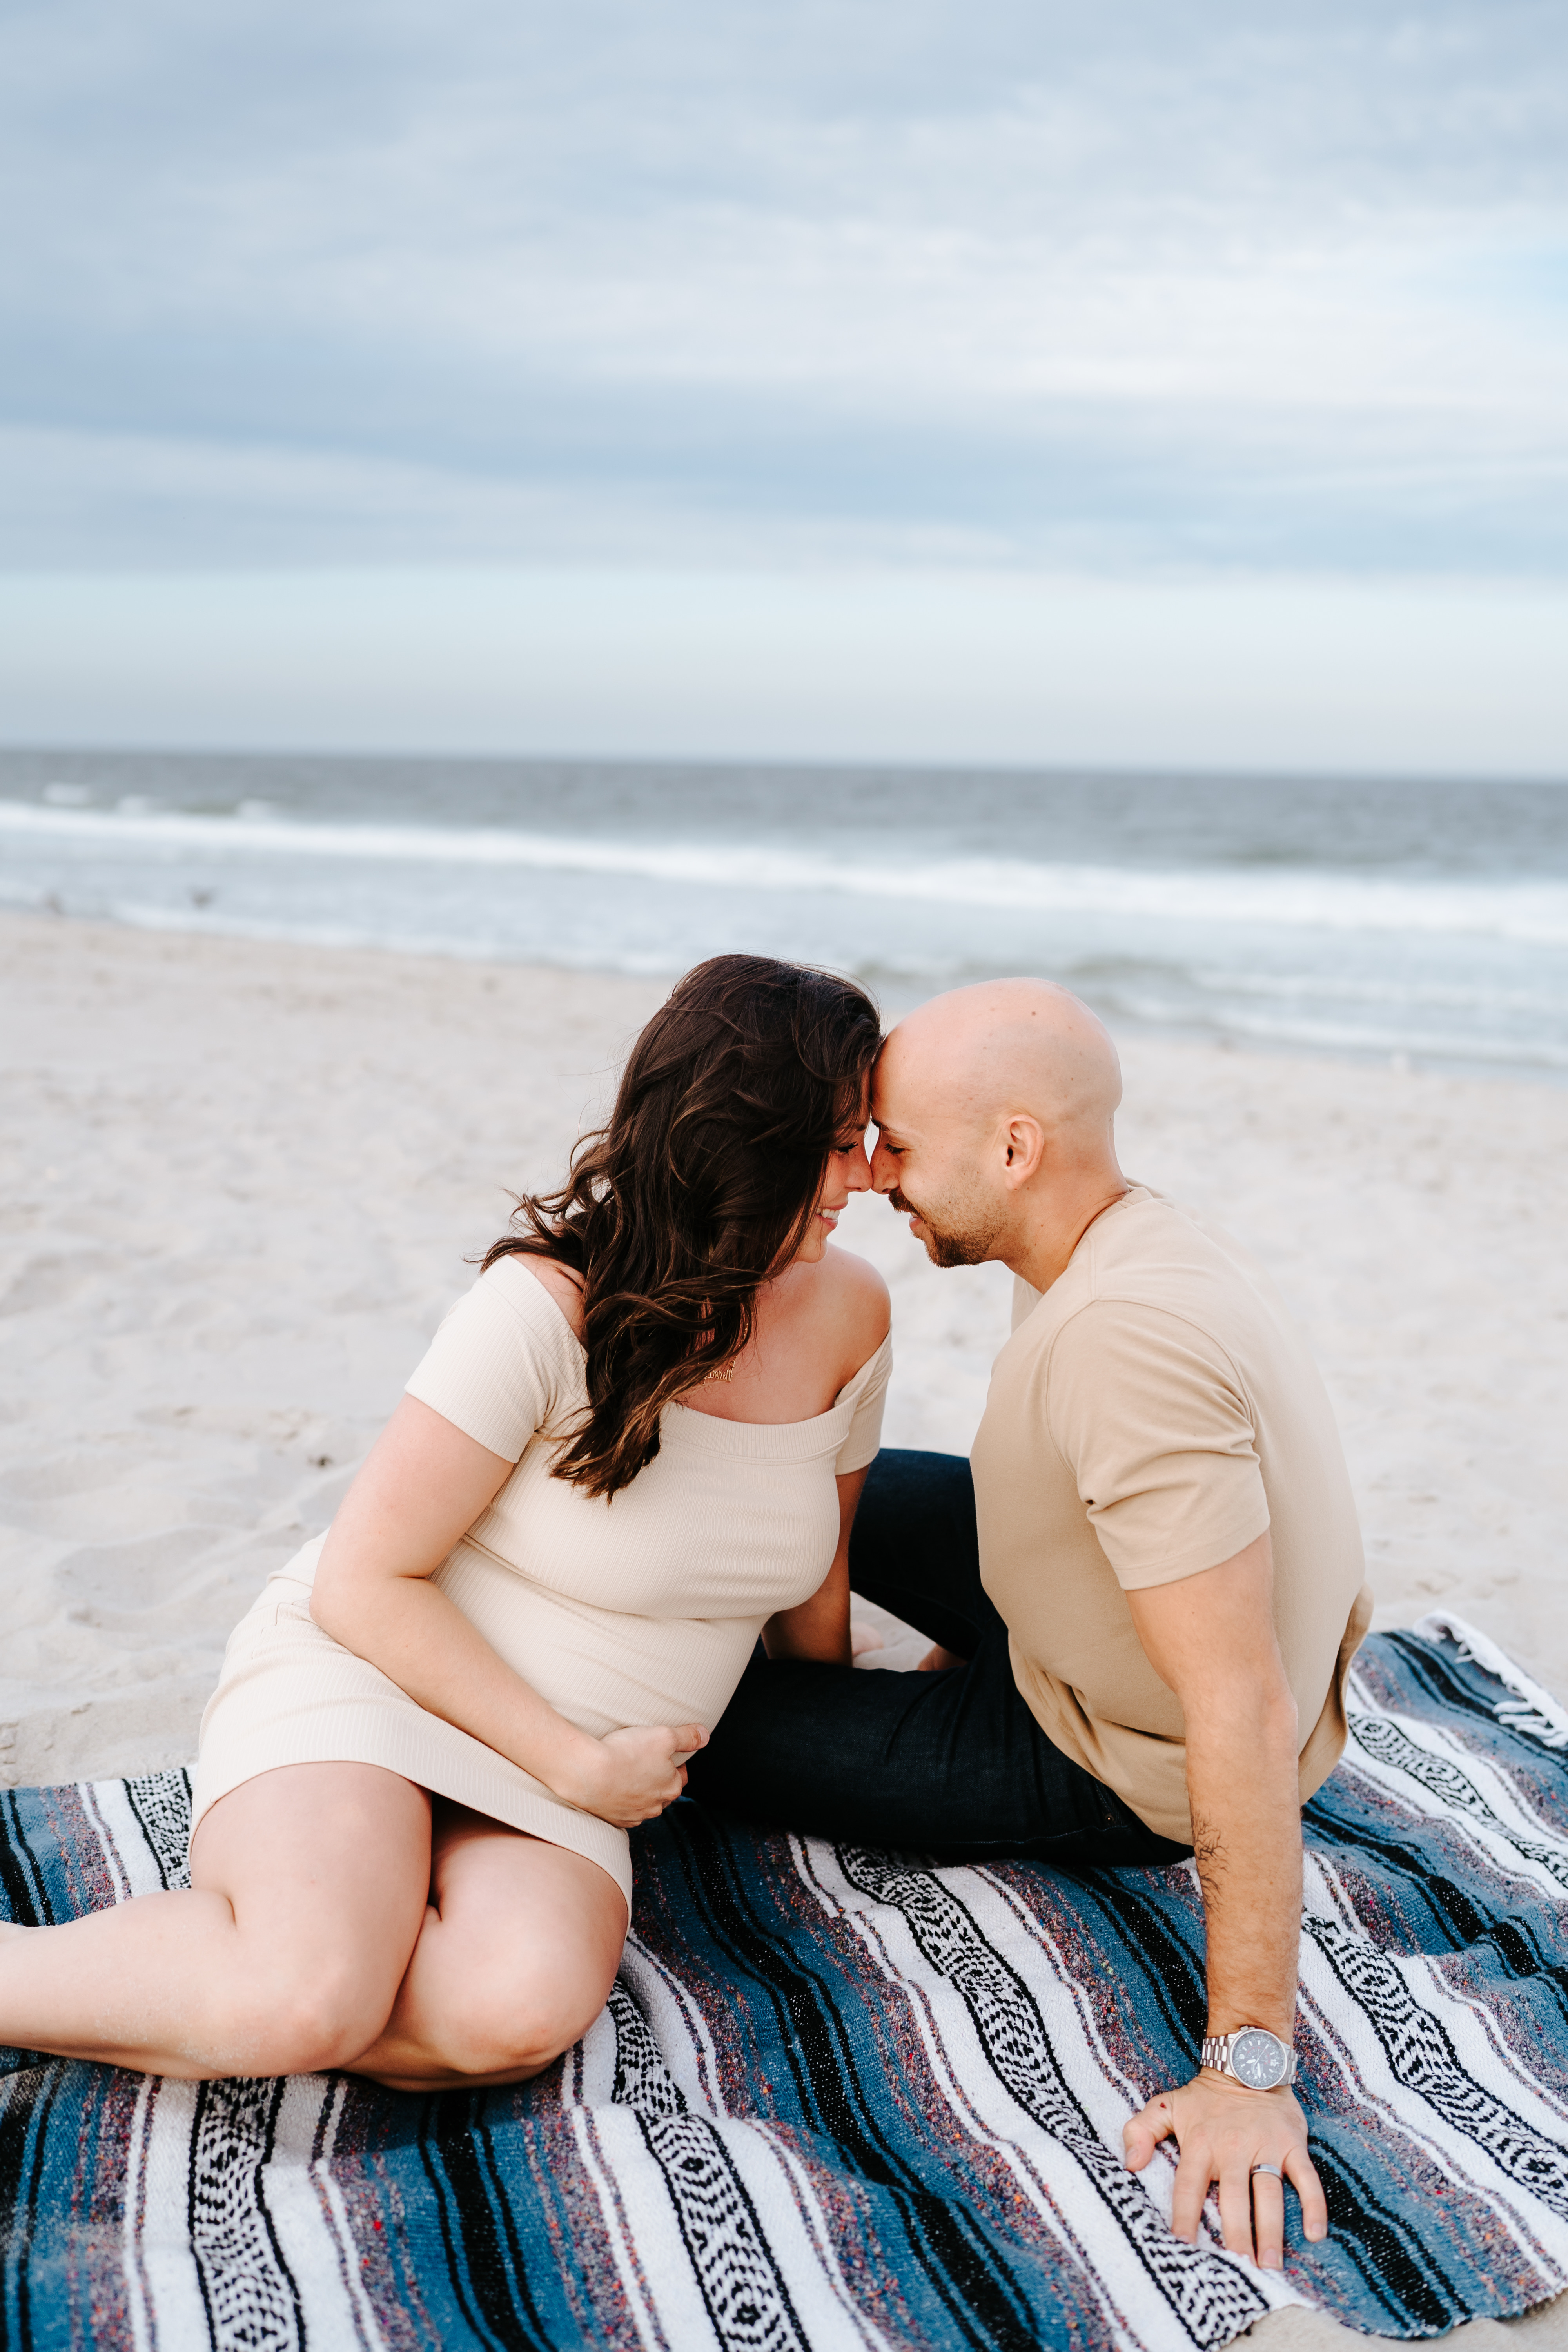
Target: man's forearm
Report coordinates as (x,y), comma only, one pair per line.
(1244,1792)
(1211,1639)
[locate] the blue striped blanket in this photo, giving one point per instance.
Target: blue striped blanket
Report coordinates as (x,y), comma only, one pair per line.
(840,2098)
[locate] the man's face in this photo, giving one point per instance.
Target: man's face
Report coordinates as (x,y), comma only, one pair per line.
(926,1167)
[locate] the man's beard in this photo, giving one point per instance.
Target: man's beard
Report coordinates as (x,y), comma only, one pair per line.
(964,1240)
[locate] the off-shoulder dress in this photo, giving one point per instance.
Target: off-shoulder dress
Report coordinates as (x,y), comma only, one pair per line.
(641,1610)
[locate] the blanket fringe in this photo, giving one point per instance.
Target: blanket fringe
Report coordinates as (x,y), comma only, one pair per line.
(1531,1708)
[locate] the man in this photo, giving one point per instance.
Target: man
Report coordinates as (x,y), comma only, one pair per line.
(1145,1603)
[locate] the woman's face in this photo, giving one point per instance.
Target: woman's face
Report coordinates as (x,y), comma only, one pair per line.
(848,1171)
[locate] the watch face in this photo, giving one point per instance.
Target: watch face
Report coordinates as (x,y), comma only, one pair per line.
(1258,2059)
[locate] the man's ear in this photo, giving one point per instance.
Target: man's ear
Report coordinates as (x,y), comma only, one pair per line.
(1024,1148)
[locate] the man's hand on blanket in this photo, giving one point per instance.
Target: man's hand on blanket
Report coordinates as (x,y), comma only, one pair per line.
(1222,2131)
(629,1776)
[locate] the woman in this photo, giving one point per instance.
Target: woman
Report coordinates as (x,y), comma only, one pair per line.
(637,1441)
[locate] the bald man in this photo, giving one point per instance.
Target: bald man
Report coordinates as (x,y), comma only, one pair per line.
(1144,1588)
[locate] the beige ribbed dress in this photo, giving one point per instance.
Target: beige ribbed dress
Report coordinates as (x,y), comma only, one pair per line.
(641,1610)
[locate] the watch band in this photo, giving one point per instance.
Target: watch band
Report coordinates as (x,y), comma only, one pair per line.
(1218,2054)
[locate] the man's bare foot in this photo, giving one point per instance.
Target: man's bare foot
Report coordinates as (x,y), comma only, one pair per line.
(938,1660)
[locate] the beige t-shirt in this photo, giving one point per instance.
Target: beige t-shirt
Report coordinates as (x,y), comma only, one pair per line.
(1152,1414)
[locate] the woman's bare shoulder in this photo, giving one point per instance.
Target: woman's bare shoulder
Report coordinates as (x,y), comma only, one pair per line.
(564,1286)
(859,1300)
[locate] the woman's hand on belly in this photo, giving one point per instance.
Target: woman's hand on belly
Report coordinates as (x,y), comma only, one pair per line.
(421,1489)
(629,1776)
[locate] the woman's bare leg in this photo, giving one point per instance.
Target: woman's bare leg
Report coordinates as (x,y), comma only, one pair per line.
(519,1951)
(308,1891)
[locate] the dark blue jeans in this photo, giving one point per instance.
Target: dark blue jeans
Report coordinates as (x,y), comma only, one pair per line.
(951,1765)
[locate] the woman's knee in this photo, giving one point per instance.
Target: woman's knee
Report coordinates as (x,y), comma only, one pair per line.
(305,2020)
(506,2027)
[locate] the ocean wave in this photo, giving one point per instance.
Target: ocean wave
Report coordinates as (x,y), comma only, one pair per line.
(1342,1036)
(1309,898)
(1174,1009)
(1147,995)
(1474,994)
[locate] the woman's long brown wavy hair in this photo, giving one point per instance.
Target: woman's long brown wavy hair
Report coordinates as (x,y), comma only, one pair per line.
(702,1186)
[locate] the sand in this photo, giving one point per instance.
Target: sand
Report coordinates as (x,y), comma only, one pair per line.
(241,1179)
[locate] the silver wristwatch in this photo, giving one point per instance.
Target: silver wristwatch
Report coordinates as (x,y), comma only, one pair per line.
(1252,2056)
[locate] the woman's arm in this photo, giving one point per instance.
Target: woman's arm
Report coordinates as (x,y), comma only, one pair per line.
(422,1486)
(819,1628)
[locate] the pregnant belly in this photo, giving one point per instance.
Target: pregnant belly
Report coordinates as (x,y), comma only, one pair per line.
(601,1668)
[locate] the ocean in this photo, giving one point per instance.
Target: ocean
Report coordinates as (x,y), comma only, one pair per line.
(1417,922)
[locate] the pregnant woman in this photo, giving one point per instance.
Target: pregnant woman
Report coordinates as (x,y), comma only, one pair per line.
(635,1443)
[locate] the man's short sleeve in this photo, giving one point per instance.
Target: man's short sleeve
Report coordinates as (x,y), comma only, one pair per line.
(1149,1414)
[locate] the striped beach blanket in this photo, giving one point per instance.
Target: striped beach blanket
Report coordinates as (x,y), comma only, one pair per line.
(842,2098)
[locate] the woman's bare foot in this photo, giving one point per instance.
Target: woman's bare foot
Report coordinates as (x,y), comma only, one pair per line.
(938,1660)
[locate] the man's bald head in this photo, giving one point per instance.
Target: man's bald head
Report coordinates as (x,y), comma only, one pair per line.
(995,1102)
(1006,1044)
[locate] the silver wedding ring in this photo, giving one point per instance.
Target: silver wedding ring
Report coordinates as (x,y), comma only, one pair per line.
(1272,2169)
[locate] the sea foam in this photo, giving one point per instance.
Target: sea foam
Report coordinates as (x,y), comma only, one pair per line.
(1306,899)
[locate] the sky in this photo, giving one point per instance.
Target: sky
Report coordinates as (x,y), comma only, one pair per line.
(1158,311)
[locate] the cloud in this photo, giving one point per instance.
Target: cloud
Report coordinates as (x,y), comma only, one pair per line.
(915,663)
(1027,284)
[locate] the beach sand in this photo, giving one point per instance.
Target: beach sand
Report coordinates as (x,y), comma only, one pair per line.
(241,1179)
